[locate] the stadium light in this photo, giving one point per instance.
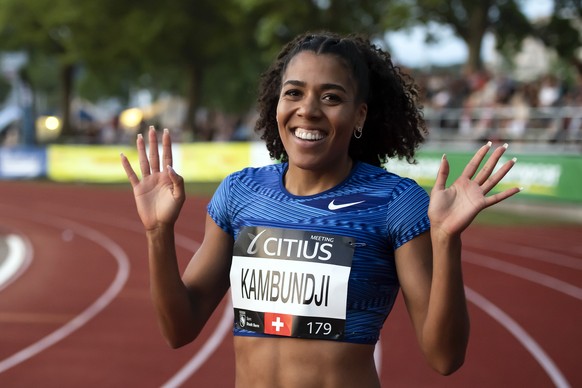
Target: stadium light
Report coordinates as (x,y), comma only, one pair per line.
(48,128)
(130,119)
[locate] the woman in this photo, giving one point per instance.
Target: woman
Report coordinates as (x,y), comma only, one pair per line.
(315,248)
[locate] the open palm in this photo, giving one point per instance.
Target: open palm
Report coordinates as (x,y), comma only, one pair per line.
(453,209)
(159,196)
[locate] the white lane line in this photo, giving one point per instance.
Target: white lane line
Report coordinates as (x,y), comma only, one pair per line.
(105,299)
(531,253)
(378,358)
(224,327)
(521,335)
(20,253)
(524,273)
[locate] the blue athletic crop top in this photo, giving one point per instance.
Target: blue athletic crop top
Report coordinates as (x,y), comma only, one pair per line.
(372,211)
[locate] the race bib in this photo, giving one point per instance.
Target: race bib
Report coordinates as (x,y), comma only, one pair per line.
(290,282)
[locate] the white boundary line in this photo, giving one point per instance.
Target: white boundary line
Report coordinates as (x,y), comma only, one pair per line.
(223,327)
(506,321)
(105,299)
(209,347)
(492,310)
(530,253)
(20,253)
(523,273)
(378,358)
(521,335)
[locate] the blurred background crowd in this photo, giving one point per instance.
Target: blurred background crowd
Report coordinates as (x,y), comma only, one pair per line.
(498,107)
(100,72)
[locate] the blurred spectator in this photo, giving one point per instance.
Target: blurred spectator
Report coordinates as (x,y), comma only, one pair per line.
(486,106)
(549,92)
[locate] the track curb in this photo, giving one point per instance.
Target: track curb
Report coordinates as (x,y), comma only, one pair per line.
(13,250)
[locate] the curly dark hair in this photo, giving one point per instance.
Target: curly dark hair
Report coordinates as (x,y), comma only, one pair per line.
(394,125)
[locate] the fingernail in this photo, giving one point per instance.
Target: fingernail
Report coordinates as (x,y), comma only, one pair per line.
(152,128)
(444,157)
(166,130)
(505,145)
(521,189)
(139,136)
(488,144)
(514,160)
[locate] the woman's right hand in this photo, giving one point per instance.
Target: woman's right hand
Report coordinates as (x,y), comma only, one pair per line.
(160,194)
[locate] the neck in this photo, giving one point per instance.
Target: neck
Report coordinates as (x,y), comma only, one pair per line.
(304,182)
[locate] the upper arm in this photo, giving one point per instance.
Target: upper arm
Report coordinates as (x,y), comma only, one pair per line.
(414,268)
(207,274)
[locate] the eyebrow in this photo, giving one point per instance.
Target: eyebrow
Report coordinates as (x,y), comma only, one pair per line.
(326,86)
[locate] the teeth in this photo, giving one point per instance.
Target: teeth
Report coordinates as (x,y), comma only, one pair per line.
(308,135)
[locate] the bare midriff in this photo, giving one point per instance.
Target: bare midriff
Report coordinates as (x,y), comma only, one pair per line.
(293,362)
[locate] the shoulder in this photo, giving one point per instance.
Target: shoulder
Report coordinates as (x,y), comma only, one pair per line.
(405,199)
(389,182)
(258,174)
(252,181)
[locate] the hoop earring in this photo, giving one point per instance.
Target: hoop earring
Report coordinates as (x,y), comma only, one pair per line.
(358,132)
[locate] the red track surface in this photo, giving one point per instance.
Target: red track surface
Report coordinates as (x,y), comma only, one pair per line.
(80,314)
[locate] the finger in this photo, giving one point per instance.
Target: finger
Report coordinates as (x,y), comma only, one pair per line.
(167,148)
(442,175)
(144,164)
(154,154)
(489,166)
(476,160)
(177,182)
(133,179)
(496,198)
(491,182)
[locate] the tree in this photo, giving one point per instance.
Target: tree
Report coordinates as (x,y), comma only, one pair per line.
(562,31)
(66,33)
(114,38)
(183,35)
(470,20)
(32,25)
(278,22)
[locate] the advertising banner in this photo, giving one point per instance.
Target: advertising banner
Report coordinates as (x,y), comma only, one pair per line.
(211,162)
(555,177)
(86,163)
(22,163)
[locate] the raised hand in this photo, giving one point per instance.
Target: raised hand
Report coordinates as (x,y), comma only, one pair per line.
(452,209)
(160,194)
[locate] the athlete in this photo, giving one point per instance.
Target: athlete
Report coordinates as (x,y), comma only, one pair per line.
(315,248)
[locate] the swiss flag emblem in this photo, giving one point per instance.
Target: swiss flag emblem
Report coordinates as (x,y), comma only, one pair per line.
(278,324)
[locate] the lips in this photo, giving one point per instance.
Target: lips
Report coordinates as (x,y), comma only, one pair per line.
(309,135)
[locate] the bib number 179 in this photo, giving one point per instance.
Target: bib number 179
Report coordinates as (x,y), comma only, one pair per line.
(319,328)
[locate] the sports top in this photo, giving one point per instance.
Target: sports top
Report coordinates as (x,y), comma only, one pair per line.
(373,212)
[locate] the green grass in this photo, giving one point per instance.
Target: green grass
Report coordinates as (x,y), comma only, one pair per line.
(201,189)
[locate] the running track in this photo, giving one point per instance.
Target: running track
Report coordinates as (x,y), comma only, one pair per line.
(78,312)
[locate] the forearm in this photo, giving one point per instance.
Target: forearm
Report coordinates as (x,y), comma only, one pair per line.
(169,293)
(446,330)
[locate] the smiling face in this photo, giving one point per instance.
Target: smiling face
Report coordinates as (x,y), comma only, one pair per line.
(318,112)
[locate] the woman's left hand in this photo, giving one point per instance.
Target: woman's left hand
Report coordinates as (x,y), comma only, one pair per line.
(451,210)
